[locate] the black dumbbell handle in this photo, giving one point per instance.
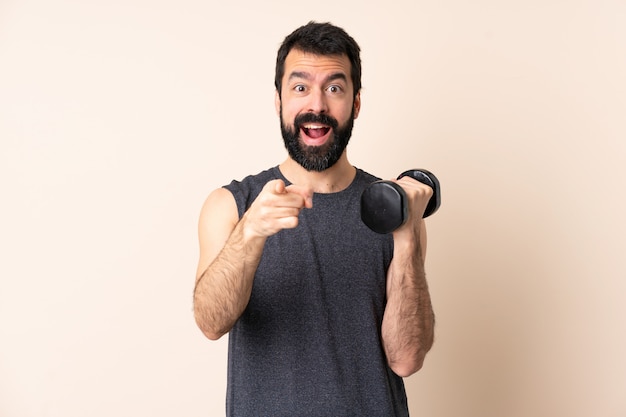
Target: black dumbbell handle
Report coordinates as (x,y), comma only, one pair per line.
(428,178)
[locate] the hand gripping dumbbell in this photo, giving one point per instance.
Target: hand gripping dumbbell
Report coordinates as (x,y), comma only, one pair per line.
(384,204)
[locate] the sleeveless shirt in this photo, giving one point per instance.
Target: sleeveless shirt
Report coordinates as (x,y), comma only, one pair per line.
(309,341)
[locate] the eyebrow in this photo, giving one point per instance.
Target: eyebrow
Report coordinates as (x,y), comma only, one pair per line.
(306,76)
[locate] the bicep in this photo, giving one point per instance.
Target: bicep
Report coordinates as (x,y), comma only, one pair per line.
(218,218)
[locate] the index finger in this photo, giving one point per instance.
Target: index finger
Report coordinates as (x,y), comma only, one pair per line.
(305,192)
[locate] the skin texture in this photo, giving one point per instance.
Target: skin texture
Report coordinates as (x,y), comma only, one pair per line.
(230,248)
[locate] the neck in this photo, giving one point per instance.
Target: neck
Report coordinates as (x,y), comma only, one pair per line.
(332,180)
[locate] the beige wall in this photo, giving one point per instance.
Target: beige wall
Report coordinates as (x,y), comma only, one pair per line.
(118,117)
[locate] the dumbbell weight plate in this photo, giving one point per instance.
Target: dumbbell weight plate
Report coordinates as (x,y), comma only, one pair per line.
(383,206)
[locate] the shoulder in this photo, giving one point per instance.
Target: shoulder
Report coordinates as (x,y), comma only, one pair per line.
(219,198)
(364,177)
(219,204)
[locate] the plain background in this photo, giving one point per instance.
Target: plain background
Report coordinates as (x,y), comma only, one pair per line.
(117,118)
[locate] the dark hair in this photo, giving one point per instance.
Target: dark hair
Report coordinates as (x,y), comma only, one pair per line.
(320,39)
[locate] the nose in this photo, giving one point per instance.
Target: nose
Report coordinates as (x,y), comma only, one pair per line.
(317,101)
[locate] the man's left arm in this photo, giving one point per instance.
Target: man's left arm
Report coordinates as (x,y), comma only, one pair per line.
(409,320)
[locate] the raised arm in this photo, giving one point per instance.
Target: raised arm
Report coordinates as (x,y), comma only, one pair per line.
(230,250)
(409,321)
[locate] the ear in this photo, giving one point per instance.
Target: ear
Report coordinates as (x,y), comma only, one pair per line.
(357,104)
(277,102)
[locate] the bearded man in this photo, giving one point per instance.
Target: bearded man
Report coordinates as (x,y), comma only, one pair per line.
(325,317)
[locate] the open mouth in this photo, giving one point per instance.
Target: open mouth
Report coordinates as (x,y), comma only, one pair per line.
(315,131)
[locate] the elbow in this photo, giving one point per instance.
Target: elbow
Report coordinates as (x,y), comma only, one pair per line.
(205,327)
(407,367)
(212,335)
(410,361)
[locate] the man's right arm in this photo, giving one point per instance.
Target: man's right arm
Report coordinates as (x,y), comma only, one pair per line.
(230,250)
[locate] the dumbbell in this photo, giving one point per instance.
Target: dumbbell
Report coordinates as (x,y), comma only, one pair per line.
(384,205)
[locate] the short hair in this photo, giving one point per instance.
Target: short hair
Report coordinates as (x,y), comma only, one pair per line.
(320,39)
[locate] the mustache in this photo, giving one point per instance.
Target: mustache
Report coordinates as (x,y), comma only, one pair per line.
(315,118)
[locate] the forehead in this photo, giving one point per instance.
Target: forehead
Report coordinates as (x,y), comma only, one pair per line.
(299,61)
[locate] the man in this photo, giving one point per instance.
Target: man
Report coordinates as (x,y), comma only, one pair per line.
(324,316)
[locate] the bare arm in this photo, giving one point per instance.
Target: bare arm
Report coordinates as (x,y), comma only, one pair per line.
(408,322)
(230,250)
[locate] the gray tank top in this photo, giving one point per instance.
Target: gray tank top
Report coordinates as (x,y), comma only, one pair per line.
(308,343)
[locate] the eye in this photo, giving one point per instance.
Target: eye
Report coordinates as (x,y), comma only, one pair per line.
(334,89)
(299,88)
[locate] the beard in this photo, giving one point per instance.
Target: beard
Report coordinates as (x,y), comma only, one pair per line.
(316,158)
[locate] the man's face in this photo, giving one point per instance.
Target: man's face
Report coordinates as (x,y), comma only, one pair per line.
(316,108)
